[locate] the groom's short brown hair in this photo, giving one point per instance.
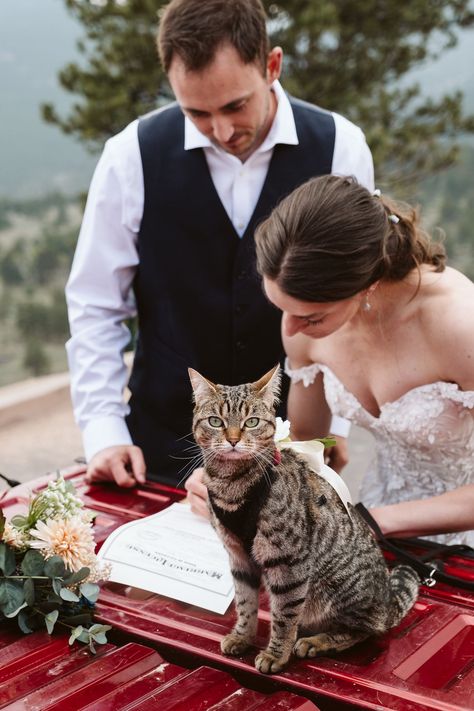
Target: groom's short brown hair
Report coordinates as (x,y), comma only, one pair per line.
(195,29)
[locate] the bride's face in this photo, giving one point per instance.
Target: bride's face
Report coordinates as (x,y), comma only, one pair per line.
(316,320)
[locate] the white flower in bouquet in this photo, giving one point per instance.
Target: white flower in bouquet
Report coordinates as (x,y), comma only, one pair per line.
(15,537)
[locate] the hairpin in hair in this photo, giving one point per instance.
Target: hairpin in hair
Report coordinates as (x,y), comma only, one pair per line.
(377,192)
(393,218)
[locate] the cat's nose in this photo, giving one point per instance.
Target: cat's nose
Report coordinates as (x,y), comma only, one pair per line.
(233,437)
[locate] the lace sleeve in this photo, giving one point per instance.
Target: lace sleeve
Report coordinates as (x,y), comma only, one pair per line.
(306,374)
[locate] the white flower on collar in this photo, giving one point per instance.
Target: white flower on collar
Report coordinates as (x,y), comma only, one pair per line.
(282,430)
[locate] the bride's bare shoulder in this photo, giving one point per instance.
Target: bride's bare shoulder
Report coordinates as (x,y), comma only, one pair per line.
(448,314)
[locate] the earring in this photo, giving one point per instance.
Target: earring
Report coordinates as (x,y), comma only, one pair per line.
(366,305)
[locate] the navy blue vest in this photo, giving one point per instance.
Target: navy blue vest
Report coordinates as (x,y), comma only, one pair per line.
(200,300)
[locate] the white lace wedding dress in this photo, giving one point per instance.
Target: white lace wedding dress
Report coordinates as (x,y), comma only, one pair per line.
(424,441)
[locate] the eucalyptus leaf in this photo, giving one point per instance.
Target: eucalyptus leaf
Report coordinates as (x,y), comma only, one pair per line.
(76,577)
(29,592)
(98,629)
(100,638)
(7,559)
(23,622)
(50,620)
(76,632)
(3,592)
(57,585)
(33,563)
(68,595)
(12,596)
(90,591)
(15,612)
(84,636)
(54,567)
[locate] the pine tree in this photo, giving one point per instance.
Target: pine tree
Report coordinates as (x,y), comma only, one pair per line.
(351,57)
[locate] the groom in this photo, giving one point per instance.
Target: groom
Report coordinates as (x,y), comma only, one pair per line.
(168,234)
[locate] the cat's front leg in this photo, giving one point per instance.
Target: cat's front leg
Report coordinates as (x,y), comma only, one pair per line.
(287,603)
(247,584)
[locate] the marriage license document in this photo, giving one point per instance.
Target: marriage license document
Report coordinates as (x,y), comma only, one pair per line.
(174,553)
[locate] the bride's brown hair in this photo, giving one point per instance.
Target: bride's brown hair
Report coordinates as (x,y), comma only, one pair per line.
(331,238)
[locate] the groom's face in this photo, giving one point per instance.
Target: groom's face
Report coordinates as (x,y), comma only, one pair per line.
(229,101)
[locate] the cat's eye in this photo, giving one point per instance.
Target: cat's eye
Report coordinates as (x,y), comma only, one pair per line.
(252,422)
(215,422)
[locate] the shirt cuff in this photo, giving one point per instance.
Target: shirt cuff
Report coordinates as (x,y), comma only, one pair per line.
(340,426)
(102,432)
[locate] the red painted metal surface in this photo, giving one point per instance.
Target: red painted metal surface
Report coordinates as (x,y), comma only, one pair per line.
(425,663)
(43,673)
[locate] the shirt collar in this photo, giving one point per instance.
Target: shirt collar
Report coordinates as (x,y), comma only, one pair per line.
(283,129)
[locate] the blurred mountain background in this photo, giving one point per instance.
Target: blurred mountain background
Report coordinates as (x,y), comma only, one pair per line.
(43,173)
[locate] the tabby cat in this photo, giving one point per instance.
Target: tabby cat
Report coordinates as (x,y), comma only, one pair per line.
(284,524)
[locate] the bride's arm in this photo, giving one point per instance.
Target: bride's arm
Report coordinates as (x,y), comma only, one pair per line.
(446,513)
(308,410)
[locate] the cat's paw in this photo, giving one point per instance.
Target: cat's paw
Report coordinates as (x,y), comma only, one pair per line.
(269,664)
(234,644)
(313,646)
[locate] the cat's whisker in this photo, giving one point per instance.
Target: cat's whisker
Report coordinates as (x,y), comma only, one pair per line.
(262,465)
(191,456)
(194,462)
(192,446)
(184,436)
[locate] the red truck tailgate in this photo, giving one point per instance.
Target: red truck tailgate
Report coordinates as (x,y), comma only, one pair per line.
(425,663)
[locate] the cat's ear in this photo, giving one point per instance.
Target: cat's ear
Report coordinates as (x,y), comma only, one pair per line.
(268,387)
(202,387)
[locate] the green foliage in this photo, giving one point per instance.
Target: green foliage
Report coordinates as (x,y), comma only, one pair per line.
(12,597)
(54,567)
(35,358)
(41,321)
(32,563)
(7,559)
(448,202)
(351,57)
(11,271)
(40,592)
(35,258)
(119,43)
(347,56)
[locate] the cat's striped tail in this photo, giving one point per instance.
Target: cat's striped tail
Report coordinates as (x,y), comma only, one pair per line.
(404,584)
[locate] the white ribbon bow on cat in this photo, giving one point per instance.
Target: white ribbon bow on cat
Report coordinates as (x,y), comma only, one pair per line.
(313,452)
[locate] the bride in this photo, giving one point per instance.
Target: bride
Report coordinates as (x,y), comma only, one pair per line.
(378,330)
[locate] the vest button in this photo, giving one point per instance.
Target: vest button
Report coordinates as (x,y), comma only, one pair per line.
(242,274)
(239,309)
(240,345)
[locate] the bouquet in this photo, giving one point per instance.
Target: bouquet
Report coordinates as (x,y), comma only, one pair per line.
(48,567)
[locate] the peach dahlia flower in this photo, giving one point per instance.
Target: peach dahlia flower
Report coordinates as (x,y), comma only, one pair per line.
(71,539)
